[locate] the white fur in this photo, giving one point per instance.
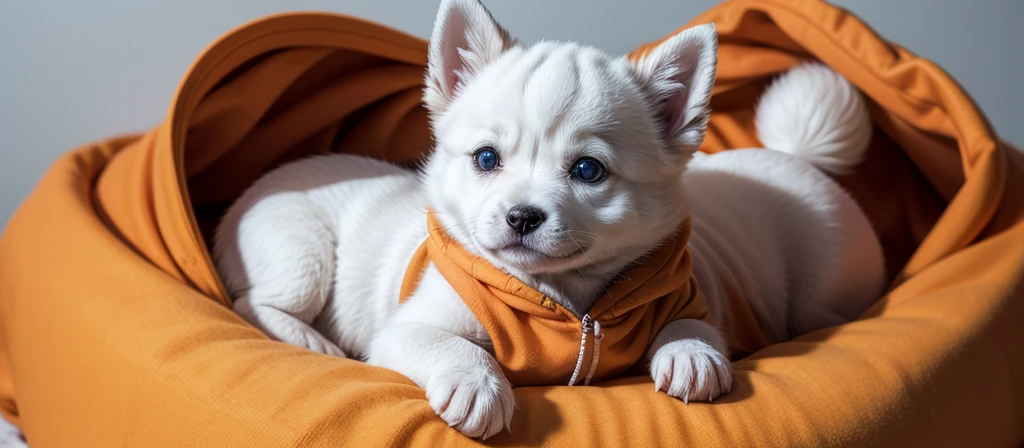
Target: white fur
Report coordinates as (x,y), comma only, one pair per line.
(315,251)
(813,113)
(688,361)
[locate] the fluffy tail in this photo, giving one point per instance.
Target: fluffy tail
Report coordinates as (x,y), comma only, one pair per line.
(815,114)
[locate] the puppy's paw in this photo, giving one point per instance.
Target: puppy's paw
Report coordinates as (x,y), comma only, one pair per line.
(475,399)
(284,327)
(317,342)
(691,369)
(299,334)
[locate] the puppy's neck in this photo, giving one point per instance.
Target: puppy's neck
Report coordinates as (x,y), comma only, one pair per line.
(579,289)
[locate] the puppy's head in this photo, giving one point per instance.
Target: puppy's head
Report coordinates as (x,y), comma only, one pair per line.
(558,157)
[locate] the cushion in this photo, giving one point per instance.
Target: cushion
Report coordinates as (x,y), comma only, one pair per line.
(115,330)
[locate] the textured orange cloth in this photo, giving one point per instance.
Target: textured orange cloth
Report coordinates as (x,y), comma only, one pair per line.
(114,329)
(537,341)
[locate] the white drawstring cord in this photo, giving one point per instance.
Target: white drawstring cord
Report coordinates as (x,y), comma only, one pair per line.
(597,352)
(588,324)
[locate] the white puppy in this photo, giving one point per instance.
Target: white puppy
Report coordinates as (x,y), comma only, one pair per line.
(560,165)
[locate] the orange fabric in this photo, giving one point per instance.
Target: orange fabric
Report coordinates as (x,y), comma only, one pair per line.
(537,341)
(114,329)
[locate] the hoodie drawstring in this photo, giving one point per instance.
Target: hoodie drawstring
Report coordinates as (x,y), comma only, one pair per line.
(589,324)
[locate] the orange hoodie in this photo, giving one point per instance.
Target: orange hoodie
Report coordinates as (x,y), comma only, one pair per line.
(539,342)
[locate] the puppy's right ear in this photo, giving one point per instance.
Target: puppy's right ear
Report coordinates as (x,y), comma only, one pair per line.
(677,77)
(465,39)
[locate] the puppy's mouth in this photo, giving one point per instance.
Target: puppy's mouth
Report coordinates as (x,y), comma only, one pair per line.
(536,261)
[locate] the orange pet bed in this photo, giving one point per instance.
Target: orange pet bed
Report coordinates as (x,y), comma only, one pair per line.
(115,330)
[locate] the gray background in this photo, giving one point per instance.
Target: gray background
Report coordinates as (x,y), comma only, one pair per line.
(74,71)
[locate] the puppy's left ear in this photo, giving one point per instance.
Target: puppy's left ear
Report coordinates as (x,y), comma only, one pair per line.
(677,77)
(465,39)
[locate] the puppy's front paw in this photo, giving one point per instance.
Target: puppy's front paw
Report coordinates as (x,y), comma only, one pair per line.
(691,369)
(474,399)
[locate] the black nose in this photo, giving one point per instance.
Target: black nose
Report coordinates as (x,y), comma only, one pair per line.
(525,219)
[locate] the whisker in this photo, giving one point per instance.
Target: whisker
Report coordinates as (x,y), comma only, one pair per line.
(598,237)
(604,286)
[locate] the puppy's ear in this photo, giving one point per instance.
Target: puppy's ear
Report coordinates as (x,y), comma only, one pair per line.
(677,77)
(465,39)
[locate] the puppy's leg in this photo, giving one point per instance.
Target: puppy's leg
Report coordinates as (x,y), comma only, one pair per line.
(285,255)
(283,326)
(688,361)
(435,340)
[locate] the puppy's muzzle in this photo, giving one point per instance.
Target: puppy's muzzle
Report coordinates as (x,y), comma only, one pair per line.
(525,219)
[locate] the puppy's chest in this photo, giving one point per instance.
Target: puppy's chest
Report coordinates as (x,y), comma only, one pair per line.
(539,342)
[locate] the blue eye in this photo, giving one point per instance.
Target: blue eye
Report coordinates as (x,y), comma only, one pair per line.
(486,159)
(588,170)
